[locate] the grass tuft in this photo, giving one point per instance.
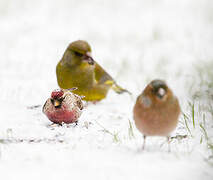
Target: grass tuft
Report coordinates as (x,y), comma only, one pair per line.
(186,118)
(130,131)
(192,106)
(114,135)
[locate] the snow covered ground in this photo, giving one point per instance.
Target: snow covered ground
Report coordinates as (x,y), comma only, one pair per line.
(136,41)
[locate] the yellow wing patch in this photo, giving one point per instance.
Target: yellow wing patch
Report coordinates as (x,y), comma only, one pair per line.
(109,82)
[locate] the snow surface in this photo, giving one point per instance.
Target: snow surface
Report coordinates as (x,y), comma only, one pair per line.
(136,41)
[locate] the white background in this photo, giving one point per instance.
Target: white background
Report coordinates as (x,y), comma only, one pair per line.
(135,41)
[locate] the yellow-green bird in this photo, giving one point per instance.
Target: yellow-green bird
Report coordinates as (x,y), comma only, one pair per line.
(78,69)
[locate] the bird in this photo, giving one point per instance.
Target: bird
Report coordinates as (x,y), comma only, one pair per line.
(156,111)
(78,69)
(63,106)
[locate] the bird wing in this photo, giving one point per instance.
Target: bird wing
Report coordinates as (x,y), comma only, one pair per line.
(44,106)
(102,77)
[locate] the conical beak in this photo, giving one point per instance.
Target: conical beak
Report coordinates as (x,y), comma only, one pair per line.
(57,103)
(89,59)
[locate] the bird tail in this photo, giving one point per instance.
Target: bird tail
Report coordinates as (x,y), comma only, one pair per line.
(118,89)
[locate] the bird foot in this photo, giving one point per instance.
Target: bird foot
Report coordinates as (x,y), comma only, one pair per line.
(169,141)
(144,140)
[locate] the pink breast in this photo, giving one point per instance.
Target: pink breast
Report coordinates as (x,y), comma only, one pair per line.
(61,115)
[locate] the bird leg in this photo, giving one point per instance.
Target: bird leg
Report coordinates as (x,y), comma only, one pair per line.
(169,140)
(144,140)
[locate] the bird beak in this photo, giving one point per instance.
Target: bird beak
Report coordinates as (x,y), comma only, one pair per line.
(89,59)
(56,103)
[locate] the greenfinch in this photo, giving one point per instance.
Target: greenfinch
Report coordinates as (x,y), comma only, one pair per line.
(156,110)
(63,107)
(78,69)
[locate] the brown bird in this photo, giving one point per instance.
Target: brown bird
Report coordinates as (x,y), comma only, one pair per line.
(63,106)
(156,111)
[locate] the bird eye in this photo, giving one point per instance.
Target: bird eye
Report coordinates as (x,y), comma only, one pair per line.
(52,101)
(78,54)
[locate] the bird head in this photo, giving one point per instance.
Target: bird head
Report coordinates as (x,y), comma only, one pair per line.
(159,89)
(155,93)
(57,97)
(81,51)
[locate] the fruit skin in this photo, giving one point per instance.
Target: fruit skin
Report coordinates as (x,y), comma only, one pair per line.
(78,69)
(63,107)
(156,110)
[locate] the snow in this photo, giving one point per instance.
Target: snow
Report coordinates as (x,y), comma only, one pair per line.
(136,41)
